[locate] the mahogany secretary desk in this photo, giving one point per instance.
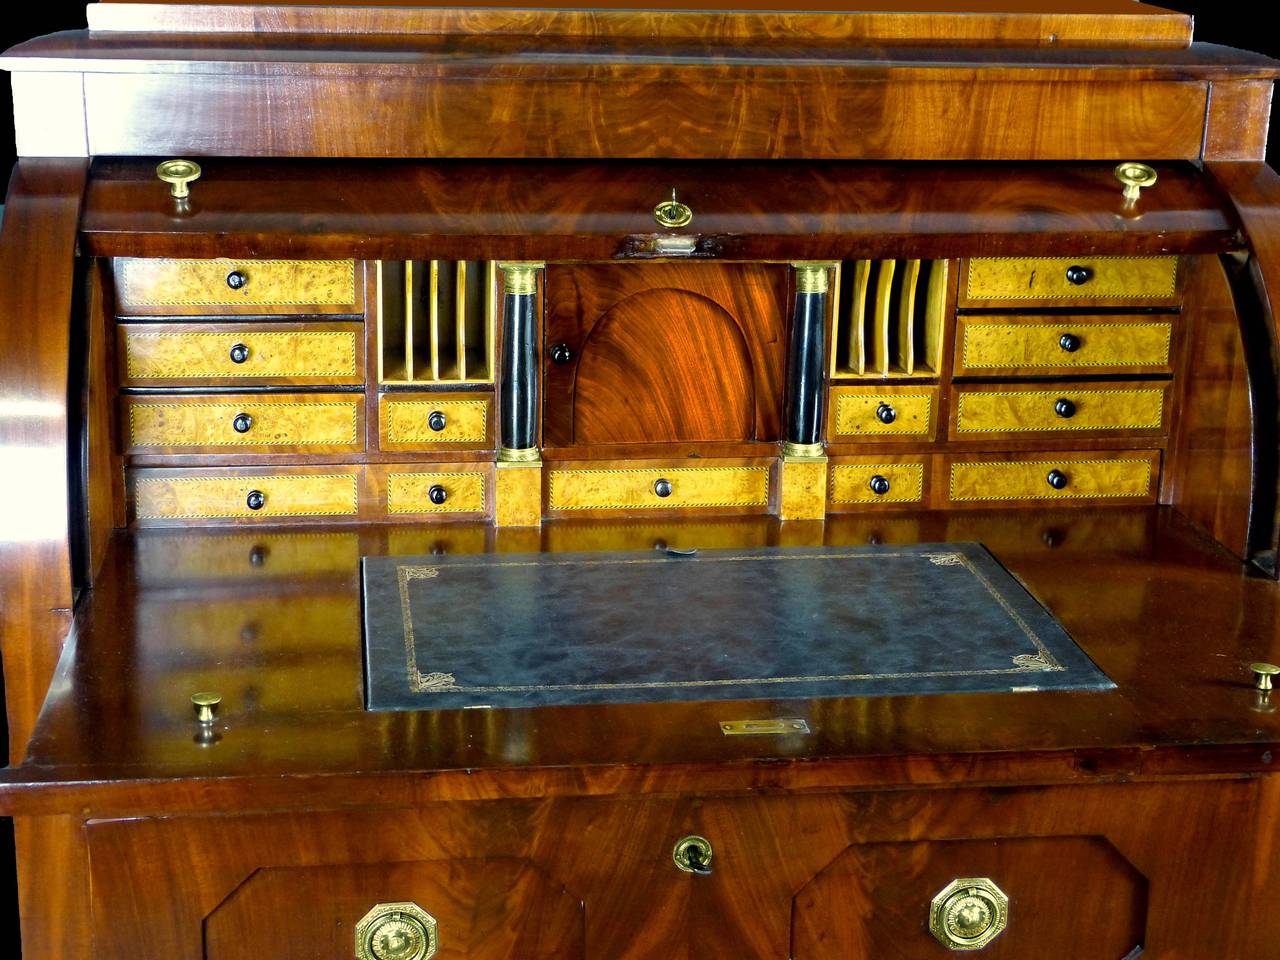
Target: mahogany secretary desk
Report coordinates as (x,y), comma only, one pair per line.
(482,281)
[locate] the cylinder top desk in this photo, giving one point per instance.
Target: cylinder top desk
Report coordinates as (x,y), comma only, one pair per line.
(290,292)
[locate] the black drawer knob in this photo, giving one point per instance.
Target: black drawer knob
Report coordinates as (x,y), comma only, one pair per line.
(662,487)
(1064,408)
(436,421)
(886,414)
(1069,342)
(879,485)
(256,500)
(1057,479)
(239,353)
(437,494)
(243,423)
(561,353)
(1078,275)
(258,555)
(237,280)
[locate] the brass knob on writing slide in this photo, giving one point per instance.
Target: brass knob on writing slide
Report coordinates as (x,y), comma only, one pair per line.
(693,855)
(437,421)
(886,414)
(879,485)
(437,494)
(1078,275)
(206,705)
(1263,674)
(968,913)
(178,174)
(243,423)
(239,353)
(396,931)
(672,213)
(1069,342)
(1136,177)
(256,500)
(1064,408)
(1057,479)
(237,279)
(662,487)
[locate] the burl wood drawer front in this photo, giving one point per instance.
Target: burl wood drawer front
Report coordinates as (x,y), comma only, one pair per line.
(424,422)
(658,488)
(449,489)
(1013,479)
(882,413)
(857,485)
(250,423)
(1068,408)
(221,354)
(233,495)
(168,286)
(1040,346)
(1062,281)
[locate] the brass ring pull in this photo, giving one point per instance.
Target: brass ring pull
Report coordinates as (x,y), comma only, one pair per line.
(968,913)
(396,931)
(672,213)
(693,855)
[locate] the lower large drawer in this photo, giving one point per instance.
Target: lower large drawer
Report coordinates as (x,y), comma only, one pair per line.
(159,496)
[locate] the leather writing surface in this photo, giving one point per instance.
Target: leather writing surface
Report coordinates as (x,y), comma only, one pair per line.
(546,629)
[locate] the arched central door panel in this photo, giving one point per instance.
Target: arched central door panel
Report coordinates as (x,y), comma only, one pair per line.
(663,353)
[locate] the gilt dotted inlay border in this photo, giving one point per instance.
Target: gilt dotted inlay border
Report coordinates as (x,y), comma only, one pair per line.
(1050,464)
(1066,423)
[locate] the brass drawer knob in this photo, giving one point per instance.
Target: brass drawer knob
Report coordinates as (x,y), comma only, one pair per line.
(879,485)
(662,487)
(1057,479)
(1069,342)
(242,423)
(179,174)
(1064,408)
(1262,675)
(239,353)
(1136,177)
(672,213)
(693,855)
(886,414)
(437,494)
(206,705)
(437,421)
(968,913)
(397,931)
(256,500)
(1078,276)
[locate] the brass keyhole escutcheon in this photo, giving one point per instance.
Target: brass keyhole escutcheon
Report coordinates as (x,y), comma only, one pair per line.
(396,931)
(672,213)
(693,855)
(968,913)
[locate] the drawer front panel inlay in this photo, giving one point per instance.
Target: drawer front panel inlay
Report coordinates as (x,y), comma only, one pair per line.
(228,497)
(414,422)
(174,423)
(1046,279)
(1066,409)
(161,282)
(852,483)
(636,489)
(988,346)
(411,492)
(1131,477)
(254,354)
(862,415)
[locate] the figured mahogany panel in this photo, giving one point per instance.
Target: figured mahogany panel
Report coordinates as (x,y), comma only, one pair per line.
(663,353)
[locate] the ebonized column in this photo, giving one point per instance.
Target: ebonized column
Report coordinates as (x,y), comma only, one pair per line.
(803,424)
(518,397)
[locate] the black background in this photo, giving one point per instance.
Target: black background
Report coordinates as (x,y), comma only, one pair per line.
(1218,22)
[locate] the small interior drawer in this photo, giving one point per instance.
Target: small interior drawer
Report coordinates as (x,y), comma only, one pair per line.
(1063,281)
(249,495)
(1127,409)
(451,489)
(157,285)
(658,487)
(421,421)
(882,413)
(262,354)
(246,423)
(1038,346)
(855,485)
(1013,479)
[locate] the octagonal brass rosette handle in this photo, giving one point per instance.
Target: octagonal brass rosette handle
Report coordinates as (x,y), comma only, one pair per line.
(396,931)
(968,913)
